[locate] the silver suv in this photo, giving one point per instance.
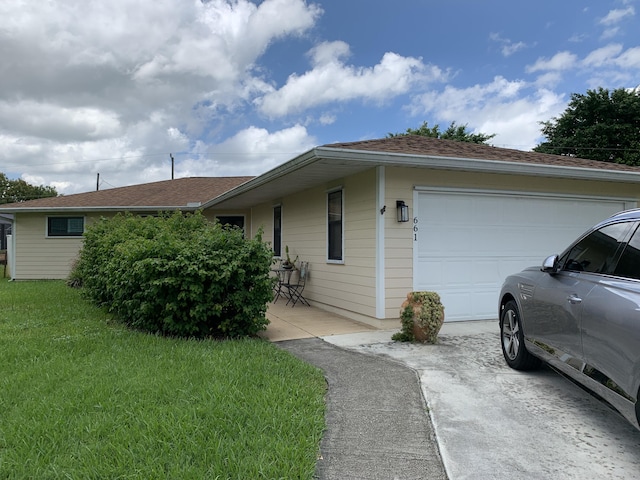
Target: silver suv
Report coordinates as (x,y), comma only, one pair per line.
(580,313)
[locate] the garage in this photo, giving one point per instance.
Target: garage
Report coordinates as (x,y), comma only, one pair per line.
(466,242)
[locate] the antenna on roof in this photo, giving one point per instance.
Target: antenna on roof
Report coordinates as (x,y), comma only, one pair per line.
(172,162)
(98,182)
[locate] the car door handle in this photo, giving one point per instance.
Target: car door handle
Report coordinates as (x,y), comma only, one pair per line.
(574,299)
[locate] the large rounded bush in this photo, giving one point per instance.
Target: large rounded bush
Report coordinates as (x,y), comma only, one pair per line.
(177,275)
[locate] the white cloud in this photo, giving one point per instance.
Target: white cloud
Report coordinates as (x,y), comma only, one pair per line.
(617,15)
(602,56)
(503,107)
(331,80)
(612,20)
(114,86)
(507,47)
(255,149)
(55,121)
(629,59)
(560,61)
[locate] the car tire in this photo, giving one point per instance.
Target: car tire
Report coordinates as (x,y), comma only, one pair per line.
(512,340)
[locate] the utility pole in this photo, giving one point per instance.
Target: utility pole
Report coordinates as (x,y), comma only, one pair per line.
(172,164)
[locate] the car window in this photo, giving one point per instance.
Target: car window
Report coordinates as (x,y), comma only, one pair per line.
(629,263)
(598,251)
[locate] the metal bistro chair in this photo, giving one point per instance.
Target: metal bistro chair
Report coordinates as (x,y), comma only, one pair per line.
(294,290)
(284,278)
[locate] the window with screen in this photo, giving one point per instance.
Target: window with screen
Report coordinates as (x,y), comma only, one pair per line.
(65,226)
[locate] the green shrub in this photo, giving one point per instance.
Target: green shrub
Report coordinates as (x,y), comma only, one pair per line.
(421,317)
(177,275)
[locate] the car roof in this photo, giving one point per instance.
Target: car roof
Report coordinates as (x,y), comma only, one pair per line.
(633,214)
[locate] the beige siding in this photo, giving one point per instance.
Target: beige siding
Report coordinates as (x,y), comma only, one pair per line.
(39,256)
(398,240)
(349,286)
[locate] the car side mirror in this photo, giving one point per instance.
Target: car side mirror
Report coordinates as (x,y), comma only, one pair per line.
(550,264)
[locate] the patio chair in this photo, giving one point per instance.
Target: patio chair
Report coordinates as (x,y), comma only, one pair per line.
(284,279)
(296,286)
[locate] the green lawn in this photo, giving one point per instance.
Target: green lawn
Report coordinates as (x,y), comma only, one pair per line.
(82,397)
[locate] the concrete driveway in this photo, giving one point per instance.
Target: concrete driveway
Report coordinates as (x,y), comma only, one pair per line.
(492,422)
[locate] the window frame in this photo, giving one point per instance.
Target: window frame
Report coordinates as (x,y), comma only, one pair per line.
(69,232)
(329,224)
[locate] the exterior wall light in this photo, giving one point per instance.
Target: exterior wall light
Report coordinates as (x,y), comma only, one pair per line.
(403,211)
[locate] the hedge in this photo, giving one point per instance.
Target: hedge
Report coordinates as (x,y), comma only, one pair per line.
(177,274)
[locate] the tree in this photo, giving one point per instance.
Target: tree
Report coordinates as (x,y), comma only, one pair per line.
(599,125)
(454,132)
(20,191)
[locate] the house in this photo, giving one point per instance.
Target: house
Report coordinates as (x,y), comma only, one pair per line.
(472,215)
(47,232)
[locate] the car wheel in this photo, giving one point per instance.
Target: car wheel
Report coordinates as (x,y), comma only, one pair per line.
(512,339)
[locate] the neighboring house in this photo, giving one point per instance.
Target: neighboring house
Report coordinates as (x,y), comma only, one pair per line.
(476,213)
(47,232)
(5,229)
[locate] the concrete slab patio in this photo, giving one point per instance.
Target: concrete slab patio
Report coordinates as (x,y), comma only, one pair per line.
(489,422)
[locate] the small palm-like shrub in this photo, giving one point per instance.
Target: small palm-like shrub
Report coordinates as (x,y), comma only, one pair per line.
(177,275)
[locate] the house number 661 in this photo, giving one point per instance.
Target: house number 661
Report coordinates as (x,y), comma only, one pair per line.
(415,229)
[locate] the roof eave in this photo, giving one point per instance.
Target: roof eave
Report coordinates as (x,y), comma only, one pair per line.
(100,209)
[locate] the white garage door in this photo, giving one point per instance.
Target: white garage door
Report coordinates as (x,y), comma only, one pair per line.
(467,242)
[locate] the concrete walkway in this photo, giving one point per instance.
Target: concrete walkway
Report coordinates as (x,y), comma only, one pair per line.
(377,424)
(481,420)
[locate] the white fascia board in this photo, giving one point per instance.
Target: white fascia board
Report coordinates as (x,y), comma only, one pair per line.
(478,165)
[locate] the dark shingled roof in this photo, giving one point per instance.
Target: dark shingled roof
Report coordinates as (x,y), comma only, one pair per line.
(426,146)
(168,193)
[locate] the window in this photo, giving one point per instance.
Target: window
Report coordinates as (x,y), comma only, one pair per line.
(598,251)
(277,231)
(65,226)
(334,226)
(231,220)
(629,264)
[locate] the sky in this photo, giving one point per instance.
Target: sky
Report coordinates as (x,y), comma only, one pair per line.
(103,94)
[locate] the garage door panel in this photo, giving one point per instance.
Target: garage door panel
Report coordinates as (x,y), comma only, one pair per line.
(468,242)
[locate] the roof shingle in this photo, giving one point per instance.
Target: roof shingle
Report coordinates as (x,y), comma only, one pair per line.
(437,147)
(167,194)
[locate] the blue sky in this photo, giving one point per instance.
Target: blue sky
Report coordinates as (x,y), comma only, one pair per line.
(237,87)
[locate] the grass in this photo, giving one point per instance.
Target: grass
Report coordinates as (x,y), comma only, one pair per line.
(83,397)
